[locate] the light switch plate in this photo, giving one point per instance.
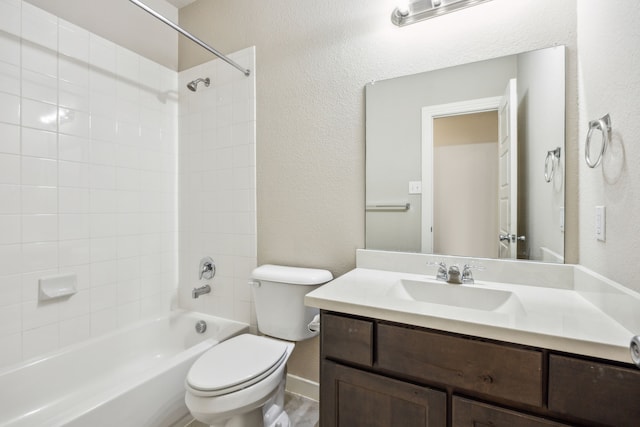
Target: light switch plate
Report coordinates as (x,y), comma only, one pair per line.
(601,223)
(562,220)
(415,187)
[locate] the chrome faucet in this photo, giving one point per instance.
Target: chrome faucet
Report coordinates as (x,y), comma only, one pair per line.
(196,292)
(453,275)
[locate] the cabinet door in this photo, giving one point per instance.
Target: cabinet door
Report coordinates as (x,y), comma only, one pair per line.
(468,413)
(352,398)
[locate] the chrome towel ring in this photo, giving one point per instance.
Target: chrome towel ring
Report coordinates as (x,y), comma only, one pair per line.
(604,126)
(553,157)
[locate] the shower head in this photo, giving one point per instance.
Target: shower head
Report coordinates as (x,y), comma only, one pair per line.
(194,84)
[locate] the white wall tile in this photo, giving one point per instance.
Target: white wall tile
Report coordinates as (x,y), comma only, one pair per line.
(9,108)
(9,138)
(39,143)
(36,314)
(39,87)
(76,305)
(104,249)
(10,226)
(10,346)
(74,200)
(103,297)
(10,196)
(10,259)
(38,171)
(39,115)
(39,200)
(73,148)
(10,16)
(74,252)
(75,226)
(104,273)
(102,54)
(74,72)
(73,97)
(39,26)
(10,319)
(73,41)
(103,128)
(39,59)
(10,290)
(9,45)
(39,228)
(39,256)
(9,77)
(75,330)
(103,225)
(39,341)
(103,321)
(73,174)
(74,122)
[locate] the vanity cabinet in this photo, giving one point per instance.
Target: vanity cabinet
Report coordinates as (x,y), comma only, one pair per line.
(380,373)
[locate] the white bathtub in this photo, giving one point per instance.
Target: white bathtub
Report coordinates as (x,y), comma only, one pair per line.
(131,377)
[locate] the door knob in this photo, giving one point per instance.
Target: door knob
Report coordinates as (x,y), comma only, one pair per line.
(511,238)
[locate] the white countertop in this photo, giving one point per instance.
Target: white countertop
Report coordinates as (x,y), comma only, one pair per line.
(557,318)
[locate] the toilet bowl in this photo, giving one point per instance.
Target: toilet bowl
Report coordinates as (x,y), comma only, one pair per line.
(240,382)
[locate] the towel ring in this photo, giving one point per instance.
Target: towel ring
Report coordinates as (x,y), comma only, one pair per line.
(604,126)
(553,156)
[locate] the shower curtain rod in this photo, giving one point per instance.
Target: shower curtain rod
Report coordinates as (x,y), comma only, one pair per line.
(190,36)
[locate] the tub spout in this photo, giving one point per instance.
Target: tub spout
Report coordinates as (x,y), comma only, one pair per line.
(196,292)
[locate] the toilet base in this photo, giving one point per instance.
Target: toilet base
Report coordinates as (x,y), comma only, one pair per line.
(275,417)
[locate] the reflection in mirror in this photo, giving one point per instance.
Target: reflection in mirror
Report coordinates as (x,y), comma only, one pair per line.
(457,159)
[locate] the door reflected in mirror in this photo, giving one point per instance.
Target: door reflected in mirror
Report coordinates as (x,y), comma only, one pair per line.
(455,159)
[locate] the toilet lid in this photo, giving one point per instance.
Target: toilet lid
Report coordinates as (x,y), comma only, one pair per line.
(236,363)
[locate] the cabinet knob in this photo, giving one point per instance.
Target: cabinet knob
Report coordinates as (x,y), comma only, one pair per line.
(487,379)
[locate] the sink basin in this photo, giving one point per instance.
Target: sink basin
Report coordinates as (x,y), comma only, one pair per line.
(462,296)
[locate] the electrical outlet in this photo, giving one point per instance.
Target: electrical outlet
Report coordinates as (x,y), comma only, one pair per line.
(601,223)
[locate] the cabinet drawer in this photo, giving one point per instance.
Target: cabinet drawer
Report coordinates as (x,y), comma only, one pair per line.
(347,339)
(468,413)
(505,372)
(592,391)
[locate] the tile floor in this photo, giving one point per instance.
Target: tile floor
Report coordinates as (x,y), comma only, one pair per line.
(303,412)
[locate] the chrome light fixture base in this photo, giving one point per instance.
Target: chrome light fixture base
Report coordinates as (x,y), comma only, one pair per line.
(425,9)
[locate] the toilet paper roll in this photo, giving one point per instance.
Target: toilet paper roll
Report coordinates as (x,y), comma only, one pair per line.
(314,325)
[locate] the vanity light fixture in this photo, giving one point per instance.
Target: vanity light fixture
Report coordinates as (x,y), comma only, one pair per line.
(419,10)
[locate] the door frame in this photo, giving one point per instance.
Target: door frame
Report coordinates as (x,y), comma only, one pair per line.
(429,113)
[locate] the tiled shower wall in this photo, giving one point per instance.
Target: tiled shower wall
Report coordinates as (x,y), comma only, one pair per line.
(88,158)
(217,186)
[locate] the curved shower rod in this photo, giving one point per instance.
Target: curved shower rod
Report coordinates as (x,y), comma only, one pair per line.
(190,36)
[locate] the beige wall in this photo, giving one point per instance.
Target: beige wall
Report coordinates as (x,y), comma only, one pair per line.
(609,82)
(313,60)
(123,23)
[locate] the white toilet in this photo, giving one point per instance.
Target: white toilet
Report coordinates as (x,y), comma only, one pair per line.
(240,382)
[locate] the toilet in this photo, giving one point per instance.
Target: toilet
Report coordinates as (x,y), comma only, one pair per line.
(240,382)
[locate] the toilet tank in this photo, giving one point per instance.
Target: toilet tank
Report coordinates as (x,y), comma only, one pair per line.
(278,293)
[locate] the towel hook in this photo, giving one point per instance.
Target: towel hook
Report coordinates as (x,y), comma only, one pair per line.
(554,157)
(604,126)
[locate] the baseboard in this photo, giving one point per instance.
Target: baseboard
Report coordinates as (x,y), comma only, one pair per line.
(303,387)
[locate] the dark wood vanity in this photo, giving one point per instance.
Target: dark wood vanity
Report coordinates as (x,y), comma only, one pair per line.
(376,373)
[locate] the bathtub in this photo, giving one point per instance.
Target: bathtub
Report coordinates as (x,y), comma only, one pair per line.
(131,377)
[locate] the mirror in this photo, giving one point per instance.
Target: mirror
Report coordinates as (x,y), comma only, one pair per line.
(469,160)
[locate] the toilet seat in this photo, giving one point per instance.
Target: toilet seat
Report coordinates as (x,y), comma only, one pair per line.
(235,364)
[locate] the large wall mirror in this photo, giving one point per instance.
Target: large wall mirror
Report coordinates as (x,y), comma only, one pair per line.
(469,160)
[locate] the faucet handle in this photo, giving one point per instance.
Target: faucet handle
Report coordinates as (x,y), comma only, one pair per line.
(442,273)
(467,276)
